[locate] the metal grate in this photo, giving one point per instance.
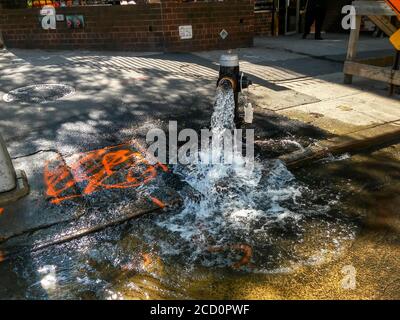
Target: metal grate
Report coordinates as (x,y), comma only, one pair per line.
(39,93)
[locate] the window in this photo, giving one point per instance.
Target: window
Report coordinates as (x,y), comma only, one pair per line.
(263,5)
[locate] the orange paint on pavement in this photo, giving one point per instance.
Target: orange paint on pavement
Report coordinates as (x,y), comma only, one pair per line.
(244,248)
(58,181)
(1,211)
(247,254)
(158,202)
(115,167)
(146,259)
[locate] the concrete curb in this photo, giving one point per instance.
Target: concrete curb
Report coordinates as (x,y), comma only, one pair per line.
(20,191)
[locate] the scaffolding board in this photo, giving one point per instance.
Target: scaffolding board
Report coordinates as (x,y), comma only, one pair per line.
(375,69)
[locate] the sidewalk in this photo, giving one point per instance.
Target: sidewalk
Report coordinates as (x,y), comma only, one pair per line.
(303,80)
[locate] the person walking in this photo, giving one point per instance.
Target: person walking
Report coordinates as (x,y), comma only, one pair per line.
(315,11)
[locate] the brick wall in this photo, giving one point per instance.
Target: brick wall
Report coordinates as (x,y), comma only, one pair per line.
(208,19)
(142,27)
(263,23)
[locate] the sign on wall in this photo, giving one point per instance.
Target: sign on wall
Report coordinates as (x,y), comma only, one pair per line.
(395,4)
(185,32)
(223,34)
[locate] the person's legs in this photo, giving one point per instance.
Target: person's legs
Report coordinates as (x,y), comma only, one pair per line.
(310,17)
(319,22)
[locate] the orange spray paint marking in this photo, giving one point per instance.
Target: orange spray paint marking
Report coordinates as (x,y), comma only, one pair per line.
(158,202)
(244,248)
(146,259)
(1,211)
(59,181)
(162,166)
(2,256)
(247,254)
(116,167)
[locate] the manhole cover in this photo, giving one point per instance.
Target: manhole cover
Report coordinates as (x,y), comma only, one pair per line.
(39,93)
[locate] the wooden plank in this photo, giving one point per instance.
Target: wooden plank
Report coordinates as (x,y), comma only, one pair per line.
(366,139)
(372,72)
(352,47)
(384,24)
(76,234)
(373,8)
(379,62)
(353,41)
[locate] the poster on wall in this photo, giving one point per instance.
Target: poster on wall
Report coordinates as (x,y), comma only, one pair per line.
(75,21)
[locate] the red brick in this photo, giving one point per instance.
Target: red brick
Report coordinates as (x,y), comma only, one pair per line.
(127,27)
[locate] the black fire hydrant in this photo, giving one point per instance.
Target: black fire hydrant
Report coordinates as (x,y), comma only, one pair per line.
(229,70)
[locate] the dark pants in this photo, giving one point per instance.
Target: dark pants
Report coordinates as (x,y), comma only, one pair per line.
(315,14)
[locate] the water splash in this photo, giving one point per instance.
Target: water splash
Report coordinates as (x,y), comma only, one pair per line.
(259,210)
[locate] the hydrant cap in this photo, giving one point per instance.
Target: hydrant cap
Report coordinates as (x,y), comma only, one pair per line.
(229,60)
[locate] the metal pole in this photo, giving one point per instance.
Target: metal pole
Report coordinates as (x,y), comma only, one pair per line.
(13,184)
(8,179)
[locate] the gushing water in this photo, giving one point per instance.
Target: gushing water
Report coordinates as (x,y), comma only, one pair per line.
(223,116)
(248,216)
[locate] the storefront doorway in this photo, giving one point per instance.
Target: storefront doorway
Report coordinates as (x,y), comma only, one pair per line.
(289,16)
(292,16)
